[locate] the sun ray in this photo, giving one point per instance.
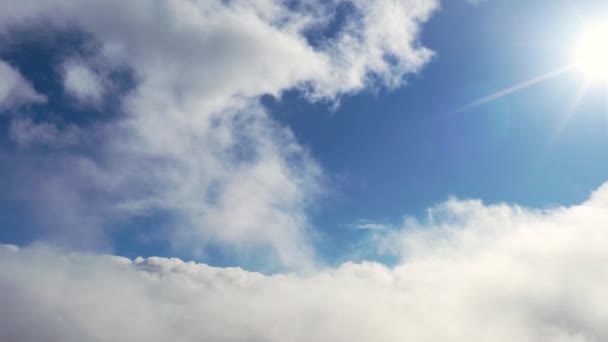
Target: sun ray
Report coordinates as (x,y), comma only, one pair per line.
(561,124)
(518,87)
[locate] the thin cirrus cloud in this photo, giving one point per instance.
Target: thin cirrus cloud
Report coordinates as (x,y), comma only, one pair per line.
(472,272)
(217,167)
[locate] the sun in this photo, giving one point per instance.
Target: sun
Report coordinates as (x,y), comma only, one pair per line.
(592,53)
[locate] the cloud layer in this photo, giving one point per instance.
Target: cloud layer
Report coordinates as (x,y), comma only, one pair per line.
(471,273)
(194,145)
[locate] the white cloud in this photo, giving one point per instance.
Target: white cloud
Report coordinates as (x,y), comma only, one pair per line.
(487,231)
(82,82)
(15,90)
(381,42)
(195,142)
(472,273)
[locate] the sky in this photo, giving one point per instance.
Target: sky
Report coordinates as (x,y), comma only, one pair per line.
(272,170)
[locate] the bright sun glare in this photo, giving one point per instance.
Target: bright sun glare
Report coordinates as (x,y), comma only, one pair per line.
(592,53)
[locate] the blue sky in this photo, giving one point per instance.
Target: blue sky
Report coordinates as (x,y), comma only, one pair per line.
(395,153)
(319,170)
(386,153)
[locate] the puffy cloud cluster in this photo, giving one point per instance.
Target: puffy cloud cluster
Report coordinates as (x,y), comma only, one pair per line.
(471,273)
(249,47)
(194,143)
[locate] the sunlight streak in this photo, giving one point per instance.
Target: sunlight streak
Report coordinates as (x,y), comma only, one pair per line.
(570,111)
(507,91)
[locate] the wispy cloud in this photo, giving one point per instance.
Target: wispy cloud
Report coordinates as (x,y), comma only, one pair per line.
(16,90)
(369,225)
(26,133)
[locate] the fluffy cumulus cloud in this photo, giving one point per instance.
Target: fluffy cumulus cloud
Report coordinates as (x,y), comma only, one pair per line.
(194,143)
(471,273)
(82,82)
(15,90)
